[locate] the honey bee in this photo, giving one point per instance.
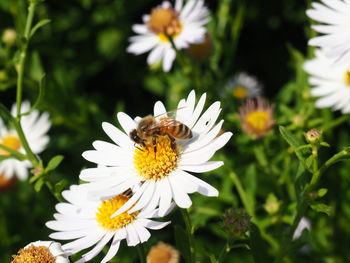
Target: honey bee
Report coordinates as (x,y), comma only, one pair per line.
(150,128)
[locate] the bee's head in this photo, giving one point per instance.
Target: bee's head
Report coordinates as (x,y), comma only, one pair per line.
(134,136)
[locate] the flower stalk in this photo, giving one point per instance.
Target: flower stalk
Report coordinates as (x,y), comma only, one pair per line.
(23,56)
(188,224)
(141,253)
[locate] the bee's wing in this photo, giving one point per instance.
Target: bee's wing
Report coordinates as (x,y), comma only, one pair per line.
(170,114)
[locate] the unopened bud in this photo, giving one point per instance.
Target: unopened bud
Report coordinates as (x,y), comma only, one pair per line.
(272,205)
(298,120)
(236,222)
(9,36)
(313,136)
(3,75)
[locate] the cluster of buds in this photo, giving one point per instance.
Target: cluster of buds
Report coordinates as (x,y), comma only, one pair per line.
(236,222)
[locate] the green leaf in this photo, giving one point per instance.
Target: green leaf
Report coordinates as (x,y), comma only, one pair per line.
(39,184)
(293,141)
(258,245)
(322,192)
(322,208)
(54,163)
(182,243)
(39,25)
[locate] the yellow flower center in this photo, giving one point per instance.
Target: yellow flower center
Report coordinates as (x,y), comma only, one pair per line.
(259,120)
(156,164)
(11,142)
(347,78)
(165,23)
(108,208)
(239,92)
(33,254)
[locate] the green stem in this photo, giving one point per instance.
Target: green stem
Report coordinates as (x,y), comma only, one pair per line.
(224,251)
(302,207)
(141,252)
(242,194)
(12,153)
(336,122)
(31,156)
(23,55)
(187,221)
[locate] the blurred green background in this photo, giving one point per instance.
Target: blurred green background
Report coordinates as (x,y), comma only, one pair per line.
(90,77)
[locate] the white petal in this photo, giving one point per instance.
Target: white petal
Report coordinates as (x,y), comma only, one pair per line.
(126,122)
(201,168)
(203,187)
(112,250)
(132,238)
(97,249)
(142,232)
(165,196)
(159,109)
(180,197)
(117,135)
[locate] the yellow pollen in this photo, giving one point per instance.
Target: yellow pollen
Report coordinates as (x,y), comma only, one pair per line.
(259,120)
(33,254)
(239,92)
(156,165)
(108,208)
(165,23)
(347,78)
(11,142)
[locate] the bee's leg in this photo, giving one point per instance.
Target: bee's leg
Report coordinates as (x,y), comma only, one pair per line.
(137,147)
(154,141)
(172,142)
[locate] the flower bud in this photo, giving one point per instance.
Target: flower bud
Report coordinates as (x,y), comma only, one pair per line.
(236,222)
(3,75)
(272,205)
(313,136)
(9,36)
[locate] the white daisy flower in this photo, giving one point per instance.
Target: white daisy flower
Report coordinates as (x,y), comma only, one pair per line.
(157,177)
(243,86)
(335,18)
(331,82)
(41,252)
(35,127)
(90,223)
(183,23)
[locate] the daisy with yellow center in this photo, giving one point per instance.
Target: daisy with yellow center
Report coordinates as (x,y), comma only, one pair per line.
(158,173)
(35,127)
(89,223)
(257,117)
(41,252)
(330,82)
(183,23)
(243,86)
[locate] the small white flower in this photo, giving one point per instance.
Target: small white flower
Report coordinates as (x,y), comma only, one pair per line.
(331,82)
(243,86)
(303,224)
(183,23)
(42,251)
(90,223)
(35,127)
(335,18)
(157,178)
